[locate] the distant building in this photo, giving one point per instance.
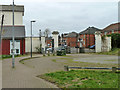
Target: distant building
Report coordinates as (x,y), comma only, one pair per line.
(87,36)
(19,30)
(48,41)
(70,39)
(113,28)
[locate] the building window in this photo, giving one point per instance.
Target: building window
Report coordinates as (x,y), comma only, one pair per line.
(17,40)
(112,31)
(84,42)
(17,50)
(105,33)
(84,35)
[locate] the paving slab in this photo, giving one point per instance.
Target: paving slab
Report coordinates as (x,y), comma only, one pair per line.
(21,76)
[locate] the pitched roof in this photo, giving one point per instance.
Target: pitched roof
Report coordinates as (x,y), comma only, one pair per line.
(72,34)
(115,26)
(19,32)
(90,30)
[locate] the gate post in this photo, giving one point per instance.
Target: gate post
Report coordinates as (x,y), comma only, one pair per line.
(66,68)
(114,69)
(98,41)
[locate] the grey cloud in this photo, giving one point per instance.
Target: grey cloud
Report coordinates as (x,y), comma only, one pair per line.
(69,16)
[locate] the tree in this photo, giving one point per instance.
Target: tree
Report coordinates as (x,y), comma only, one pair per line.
(115,40)
(47,32)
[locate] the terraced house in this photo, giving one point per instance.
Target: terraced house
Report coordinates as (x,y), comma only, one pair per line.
(19,29)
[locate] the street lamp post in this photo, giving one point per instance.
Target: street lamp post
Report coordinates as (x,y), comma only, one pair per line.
(31,37)
(40,34)
(13,39)
(40,39)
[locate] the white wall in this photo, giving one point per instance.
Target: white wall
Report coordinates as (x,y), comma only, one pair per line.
(102,45)
(35,43)
(106,44)
(8,18)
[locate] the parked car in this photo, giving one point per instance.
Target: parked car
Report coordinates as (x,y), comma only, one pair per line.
(49,49)
(61,51)
(92,47)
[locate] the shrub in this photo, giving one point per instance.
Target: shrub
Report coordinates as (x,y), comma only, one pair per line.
(61,53)
(38,49)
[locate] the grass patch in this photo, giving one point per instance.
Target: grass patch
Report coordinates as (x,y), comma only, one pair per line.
(110,60)
(114,51)
(70,59)
(10,56)
(83,79)
(54,60)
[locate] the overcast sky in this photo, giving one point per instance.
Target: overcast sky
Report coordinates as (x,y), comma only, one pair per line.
(67,16)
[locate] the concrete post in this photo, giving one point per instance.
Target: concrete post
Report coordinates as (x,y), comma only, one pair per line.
(55,37)
(43,43)
(109,43)
(98,41)
(114,69)
(66,68)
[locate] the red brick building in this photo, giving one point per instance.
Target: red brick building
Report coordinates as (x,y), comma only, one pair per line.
(87,36)
(70,39)
(113,28)
(48,41)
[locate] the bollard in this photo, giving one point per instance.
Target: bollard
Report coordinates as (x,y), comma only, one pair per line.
(114,69)
(66,68)
(48,53)
(53,53)
(44,53)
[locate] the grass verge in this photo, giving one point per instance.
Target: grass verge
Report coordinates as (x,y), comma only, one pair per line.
(83,79)
(68,61)
(10,56)
(114,51)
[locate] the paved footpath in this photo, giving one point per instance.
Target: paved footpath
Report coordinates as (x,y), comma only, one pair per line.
(24,75)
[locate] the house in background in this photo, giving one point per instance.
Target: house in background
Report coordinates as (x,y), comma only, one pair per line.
(70,39)
(87,36)
(19,29)
(113,28)
(48,41)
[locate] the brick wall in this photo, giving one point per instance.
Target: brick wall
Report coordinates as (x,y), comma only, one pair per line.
(88,40)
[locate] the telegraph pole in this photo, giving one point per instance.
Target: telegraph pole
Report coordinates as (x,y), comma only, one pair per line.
(13,43)
(40,40)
